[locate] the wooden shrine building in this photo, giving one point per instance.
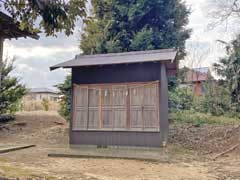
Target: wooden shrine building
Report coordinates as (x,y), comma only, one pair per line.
(120,98)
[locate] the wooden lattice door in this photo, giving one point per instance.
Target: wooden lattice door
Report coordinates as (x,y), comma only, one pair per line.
(124,107)
(144,107)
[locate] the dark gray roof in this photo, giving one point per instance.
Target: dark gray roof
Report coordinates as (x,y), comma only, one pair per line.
(119,58)
(42,90)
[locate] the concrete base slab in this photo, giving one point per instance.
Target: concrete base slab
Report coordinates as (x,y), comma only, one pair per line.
(4,148)
(145,154)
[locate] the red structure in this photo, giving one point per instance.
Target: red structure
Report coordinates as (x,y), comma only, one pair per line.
(196,78)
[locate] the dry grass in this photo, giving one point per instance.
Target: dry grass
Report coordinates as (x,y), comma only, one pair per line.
(38,106)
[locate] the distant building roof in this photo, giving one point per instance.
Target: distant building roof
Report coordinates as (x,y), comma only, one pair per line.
(197,75)
(119,58)
(10,29)
(42,90)
(202,69)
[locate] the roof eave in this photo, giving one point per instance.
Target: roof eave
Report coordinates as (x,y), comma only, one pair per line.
(52,68)
(16,31)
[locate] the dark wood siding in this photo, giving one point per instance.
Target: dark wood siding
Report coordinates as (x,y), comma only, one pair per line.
(117,73)
(116,138)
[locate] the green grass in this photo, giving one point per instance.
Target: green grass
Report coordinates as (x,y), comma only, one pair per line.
(202,118)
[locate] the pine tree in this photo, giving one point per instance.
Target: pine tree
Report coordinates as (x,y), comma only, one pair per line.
(11,90)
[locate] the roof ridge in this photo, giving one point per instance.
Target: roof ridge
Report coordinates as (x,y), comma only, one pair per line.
(125,53)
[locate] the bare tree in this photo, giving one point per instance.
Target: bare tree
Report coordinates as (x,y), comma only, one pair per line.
(196,56)
(222,11)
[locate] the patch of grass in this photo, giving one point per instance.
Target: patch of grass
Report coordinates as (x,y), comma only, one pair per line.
(182,154)
(201,118)
(179,150)
(16,172)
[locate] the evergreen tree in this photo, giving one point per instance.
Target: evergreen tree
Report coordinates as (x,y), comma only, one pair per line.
(11,90)
(133,25)
(120,26)
(65,89)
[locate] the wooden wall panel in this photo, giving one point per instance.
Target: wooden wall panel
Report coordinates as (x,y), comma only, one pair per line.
(119,119)
(107,119)
(136,117)
(81,96)
(93,118)
(80,120)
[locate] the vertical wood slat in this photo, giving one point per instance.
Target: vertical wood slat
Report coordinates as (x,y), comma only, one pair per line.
(127,107)
(112,108)
(100,109)
(87,107)
(142,108)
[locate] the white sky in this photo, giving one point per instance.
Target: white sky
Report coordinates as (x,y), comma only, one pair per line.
(33,57)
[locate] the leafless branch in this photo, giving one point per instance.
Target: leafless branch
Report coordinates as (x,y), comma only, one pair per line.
(222,11)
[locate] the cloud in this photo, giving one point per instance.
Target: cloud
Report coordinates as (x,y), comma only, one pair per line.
(34,57)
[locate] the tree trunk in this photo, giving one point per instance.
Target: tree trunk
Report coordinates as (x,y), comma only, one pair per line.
(1,59)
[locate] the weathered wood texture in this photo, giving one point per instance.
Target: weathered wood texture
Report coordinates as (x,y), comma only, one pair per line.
(128,106)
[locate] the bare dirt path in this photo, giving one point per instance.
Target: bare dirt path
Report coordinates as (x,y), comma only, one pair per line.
(49,131)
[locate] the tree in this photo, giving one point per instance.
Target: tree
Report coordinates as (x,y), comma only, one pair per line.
(229,69)
(11,90)
(48,15)
(217,99)
(120,26)
(65,89)
(133,25)
(51,16)
(223,10)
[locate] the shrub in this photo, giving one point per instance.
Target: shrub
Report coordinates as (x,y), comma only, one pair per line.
(65,104)
(180,99)
(11,91)
(45,104)
(197,118)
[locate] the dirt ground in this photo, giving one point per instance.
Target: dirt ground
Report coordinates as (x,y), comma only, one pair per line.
(190,154)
